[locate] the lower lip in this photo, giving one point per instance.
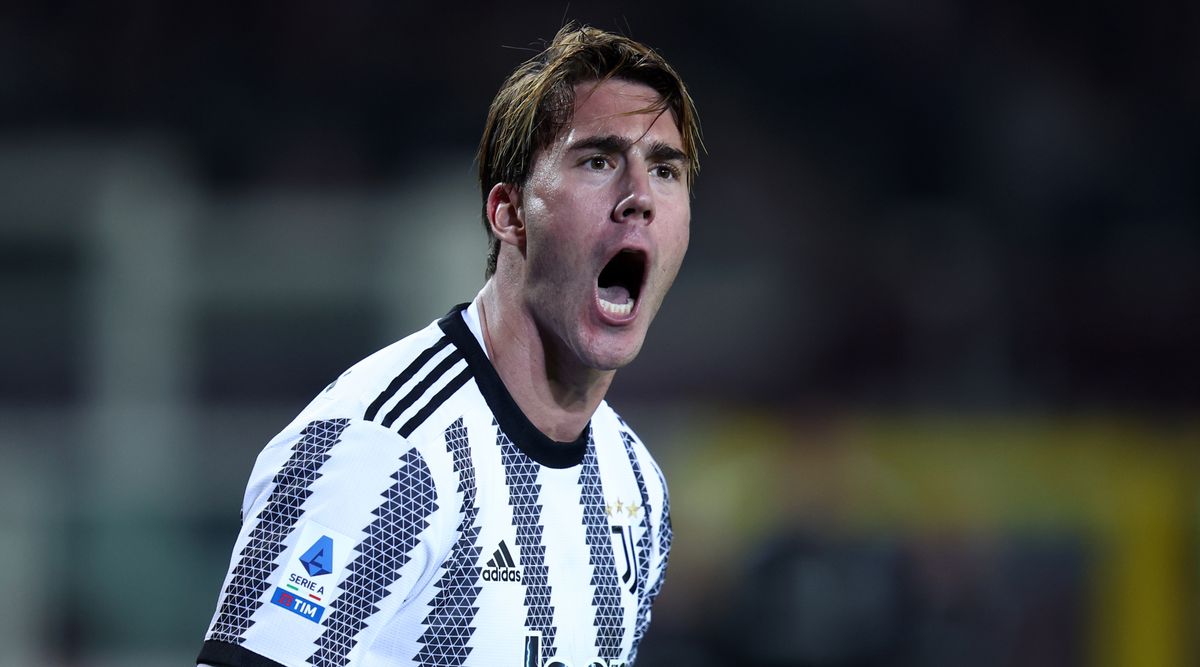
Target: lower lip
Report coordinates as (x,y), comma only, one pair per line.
(612,318)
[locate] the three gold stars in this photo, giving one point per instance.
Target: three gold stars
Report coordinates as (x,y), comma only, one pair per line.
(631,510)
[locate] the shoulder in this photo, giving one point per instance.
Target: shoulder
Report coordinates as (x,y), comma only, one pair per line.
(606,422)
(373,389)
(356,423)
(609,429)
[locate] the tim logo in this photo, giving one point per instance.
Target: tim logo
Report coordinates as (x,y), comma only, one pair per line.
(533,656)
(298,605)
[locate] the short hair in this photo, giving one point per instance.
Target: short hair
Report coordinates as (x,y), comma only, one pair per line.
(538,100)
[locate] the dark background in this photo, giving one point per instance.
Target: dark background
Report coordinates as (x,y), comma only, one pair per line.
(978,218)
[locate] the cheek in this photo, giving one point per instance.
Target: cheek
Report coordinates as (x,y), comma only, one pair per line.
(566,227)
(679,233)
(552,251)
(674,246)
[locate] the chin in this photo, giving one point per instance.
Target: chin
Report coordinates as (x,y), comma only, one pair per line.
(611,364)
(612,355)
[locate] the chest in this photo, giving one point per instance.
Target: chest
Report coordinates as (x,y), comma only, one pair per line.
(558,560)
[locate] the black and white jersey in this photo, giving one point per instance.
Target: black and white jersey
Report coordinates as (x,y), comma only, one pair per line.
(412,515)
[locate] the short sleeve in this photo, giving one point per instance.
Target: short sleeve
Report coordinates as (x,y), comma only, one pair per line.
(341,521)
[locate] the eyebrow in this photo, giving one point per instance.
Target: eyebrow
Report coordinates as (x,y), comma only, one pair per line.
(612,143)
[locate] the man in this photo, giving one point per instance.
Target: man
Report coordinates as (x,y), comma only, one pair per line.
(466,496)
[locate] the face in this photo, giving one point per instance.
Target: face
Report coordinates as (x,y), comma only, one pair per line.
(606,213)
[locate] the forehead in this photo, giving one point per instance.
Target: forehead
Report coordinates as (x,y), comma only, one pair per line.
(623,108)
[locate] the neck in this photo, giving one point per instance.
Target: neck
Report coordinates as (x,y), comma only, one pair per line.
(557,393)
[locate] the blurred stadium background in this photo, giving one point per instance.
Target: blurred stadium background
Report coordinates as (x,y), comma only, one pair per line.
(926,391)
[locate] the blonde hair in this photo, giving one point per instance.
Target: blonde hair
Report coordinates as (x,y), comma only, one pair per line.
(538,99)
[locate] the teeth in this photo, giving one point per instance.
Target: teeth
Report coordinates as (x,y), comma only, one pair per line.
(616,309)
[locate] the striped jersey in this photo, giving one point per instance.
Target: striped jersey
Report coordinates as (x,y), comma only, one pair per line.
(412,515)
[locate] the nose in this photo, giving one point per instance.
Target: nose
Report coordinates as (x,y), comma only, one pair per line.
(636,203)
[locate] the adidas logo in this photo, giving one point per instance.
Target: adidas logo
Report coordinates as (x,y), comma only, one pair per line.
(502,567)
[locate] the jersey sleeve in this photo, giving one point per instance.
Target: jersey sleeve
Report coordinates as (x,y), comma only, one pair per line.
(342,521)
(662,542)
(661,535)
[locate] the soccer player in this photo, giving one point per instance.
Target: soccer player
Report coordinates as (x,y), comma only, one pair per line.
(465,496)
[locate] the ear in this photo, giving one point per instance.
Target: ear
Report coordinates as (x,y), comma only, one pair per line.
(505,214)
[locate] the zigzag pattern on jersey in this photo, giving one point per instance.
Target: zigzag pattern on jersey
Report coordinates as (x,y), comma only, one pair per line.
(643,550)
(448,625)
(606,600)
(243,596)
(664,541)
(391,538)
(520,474)
(419,389)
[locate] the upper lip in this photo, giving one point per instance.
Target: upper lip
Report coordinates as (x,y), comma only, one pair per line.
(628,243)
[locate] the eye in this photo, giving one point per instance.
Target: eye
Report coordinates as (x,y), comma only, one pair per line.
(598,162)
(667,172)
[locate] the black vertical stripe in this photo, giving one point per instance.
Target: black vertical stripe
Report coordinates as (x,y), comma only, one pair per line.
(450,623)
(606,599)
(524,496)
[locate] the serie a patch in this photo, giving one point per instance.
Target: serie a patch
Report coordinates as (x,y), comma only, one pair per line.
(308,581)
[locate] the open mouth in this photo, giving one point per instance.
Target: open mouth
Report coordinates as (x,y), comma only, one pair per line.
(620,282)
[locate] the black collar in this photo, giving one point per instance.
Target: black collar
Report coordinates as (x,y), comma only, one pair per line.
(512,421)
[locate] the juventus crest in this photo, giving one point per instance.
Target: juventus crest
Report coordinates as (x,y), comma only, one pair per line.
(626,556)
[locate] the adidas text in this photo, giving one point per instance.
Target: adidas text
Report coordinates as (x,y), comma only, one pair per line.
(502,574)
(502,567)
